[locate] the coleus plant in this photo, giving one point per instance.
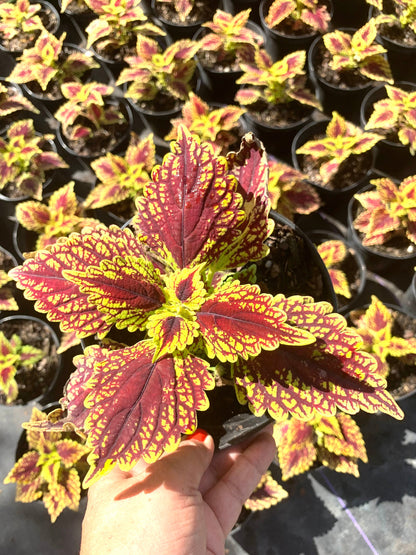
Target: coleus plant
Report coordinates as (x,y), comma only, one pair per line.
(118,24)
(402,13)
(375,327)
(123,178)
(46,63)
(155,74)
(342,141)
(19,19)
(396,116)
(333,252)
(298,15)
(277,82)
(190,320)
(86,110)
(358,52)
(335,441)
(388,211)
(288,191)
(12,100)
(229,40)
(62,215)
(13,356)
(24,159)
(217,126)
(50,470)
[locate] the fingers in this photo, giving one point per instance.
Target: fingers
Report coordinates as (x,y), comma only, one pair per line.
(228,495)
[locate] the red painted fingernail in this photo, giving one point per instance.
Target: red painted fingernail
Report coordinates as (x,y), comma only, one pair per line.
(199,435)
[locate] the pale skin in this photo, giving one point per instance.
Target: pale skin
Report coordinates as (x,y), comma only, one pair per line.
(186,503)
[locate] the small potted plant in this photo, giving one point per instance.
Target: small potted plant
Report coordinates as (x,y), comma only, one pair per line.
(221,126)
(388,332)
(389,110)
(48,64)
(21,22)
(50,469)
(336,155)
(293,24)
(40,224)
(26,158)
(277,97)
(190,322)
(122,178)
(382,223)
(289,193)
(113,33)
(159,81)
(345,64)
(182,18)
(225,43)
(396,25)
(92,120)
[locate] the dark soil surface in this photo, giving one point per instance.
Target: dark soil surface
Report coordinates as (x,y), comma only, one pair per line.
(201,11)
(35,381)
(279,115)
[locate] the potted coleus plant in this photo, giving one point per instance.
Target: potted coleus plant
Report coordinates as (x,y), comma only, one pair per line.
(92,120)
(219,126)
(49,64)
(191,322)
(345,64)
(159,80)
(277,97)
(26,158)
(182,18)
(12,101)
(113,33)
(388,332)
(42,223)
(122,178)
(50,469)
(290,194)
(336,155)
(382,223)
(396,25)
(225,43)
(293,24)
(391,111)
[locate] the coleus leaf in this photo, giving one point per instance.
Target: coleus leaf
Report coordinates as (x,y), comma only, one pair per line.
(62,495)
(333,252)
(314,379)
(268,492)
(296,447)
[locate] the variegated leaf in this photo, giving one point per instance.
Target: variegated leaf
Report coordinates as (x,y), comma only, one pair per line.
(70,451)
(25,470)
(296,448)
(268,492)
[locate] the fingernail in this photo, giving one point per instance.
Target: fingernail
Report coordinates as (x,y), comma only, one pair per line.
(199,435)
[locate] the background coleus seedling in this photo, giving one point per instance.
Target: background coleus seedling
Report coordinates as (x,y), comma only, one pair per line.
(341,141)
(299,13)
(62,215)
(399,13)
(171,283)
(396,116)
(24,159)
(288,191)
(50,470)
(333,252)
(358,51)
(14,355)
(388,211)
(122,178)
(375,327)
(217,126)
(334,441)
(12,100)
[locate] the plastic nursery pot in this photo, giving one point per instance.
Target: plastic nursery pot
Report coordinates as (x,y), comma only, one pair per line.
(349,13)
(353,266)
(392,157)
(293,265)
(281,42)
(394,260)
(36,383)
(409,297)
(178,30)
(345,100)
(351,177)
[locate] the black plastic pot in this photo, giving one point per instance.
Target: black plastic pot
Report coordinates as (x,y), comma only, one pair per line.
(346,101)
(278,44)
(51,362)
(392,157)
(409,297)
(349,13)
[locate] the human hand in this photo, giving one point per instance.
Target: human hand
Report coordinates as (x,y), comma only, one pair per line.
(185,503)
